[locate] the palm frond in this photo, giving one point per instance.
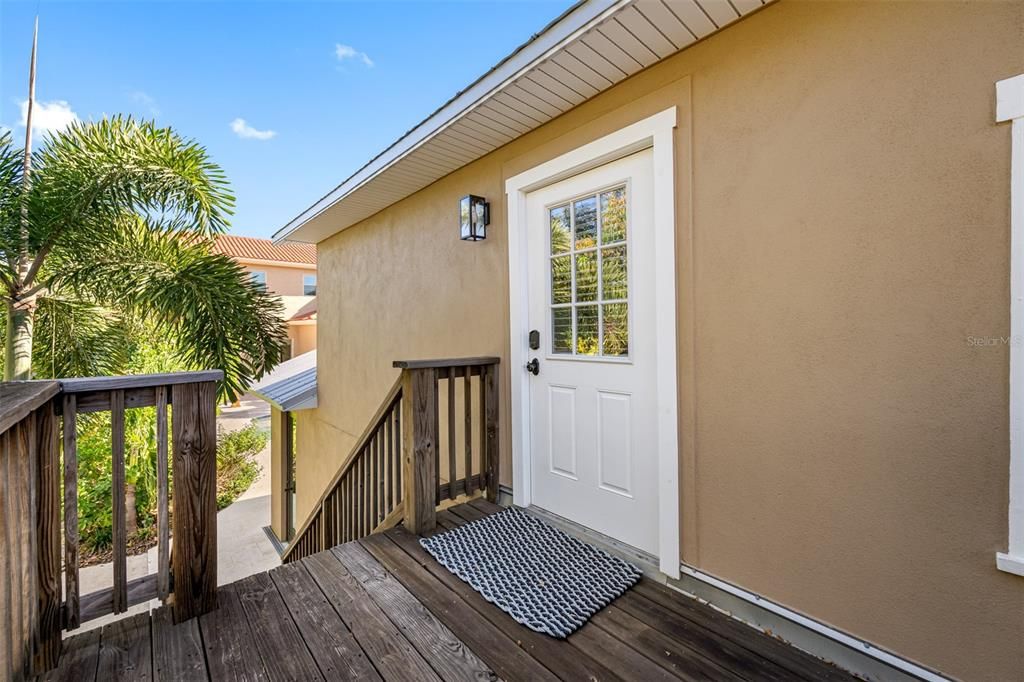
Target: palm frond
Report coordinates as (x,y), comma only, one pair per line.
(208,302)
(11,200)
(76,338)
(92,172)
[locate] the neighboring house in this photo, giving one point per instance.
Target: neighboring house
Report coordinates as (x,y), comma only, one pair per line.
(778,320)
(288,270)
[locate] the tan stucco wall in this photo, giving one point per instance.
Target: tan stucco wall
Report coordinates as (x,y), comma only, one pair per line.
(302,337)
(283,281)
(843,231)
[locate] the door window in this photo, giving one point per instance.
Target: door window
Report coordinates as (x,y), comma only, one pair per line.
(589,263)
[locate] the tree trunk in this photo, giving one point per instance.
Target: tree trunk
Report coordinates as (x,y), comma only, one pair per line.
(18,346)
(131,517)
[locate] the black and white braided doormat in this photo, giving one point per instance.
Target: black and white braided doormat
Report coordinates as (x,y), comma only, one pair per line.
(545,579)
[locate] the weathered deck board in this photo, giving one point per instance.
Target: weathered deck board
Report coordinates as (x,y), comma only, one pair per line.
(78,659)
(177,649)
(227,638)
(446,654)
(329,640)
(509,662)
(383,609)
(393,655)
(125,650)
(284,654)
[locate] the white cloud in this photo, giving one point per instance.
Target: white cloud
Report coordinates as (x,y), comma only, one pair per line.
(246,131)
(343,52)
(48,116)
(146,100)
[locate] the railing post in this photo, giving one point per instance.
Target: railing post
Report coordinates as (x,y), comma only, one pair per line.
(46,644)
(194,444)
(419,448)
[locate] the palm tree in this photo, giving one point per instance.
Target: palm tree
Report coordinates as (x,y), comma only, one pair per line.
(113,233)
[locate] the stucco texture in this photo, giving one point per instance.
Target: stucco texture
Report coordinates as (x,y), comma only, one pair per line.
(843,234)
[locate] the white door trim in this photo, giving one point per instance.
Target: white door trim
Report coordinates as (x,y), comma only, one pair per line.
(653,132)
(1010,107)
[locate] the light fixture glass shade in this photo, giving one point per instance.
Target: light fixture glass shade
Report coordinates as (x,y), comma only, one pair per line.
(474,215)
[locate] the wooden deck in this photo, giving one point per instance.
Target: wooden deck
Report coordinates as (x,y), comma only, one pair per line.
(382,608)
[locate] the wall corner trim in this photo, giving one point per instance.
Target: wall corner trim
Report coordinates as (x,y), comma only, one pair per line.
(1010,107)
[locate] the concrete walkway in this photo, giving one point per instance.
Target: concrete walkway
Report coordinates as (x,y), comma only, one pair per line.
(243,547)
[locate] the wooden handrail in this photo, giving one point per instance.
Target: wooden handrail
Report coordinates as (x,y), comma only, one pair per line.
(450,362)
(19,399)
(32,417)
(86,384)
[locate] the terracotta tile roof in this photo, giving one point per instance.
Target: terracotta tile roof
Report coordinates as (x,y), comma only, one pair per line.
(263,249)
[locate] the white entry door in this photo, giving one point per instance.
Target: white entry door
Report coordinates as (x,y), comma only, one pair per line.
(593,429)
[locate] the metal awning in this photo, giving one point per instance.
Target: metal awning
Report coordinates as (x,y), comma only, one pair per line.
(291,385)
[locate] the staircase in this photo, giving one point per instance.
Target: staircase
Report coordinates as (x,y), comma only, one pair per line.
(404,466)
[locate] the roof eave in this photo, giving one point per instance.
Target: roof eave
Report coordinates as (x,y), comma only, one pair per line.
(562,30)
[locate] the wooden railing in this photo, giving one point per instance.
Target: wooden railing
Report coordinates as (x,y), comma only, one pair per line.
(396,470)
(366,493)
(35,417)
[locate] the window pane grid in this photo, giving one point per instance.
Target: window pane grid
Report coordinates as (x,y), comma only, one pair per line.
(589,306)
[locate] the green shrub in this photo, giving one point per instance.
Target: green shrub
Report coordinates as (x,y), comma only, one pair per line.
(236,469)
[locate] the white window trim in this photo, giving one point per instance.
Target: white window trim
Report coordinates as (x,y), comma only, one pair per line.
(1010,107)
(654,132)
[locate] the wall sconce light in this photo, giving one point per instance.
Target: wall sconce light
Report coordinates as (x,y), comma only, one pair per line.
(474,217)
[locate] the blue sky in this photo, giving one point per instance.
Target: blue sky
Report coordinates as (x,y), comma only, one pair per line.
(289,97)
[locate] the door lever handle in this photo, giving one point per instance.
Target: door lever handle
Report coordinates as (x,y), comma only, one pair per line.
(533,367)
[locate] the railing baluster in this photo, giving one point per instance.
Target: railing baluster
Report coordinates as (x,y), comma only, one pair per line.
(483,427)
(347,485)
(360,515)
(398,452)
(163,542)
(374,466)
(435,435)
(335,518)
(325,527)
(120,538)
(467,391)
(490,428)
(389,466)
(353,504)
(71,584)
(452,468)
(382,509)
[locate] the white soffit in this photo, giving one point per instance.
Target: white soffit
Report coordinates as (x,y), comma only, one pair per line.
(587,50)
